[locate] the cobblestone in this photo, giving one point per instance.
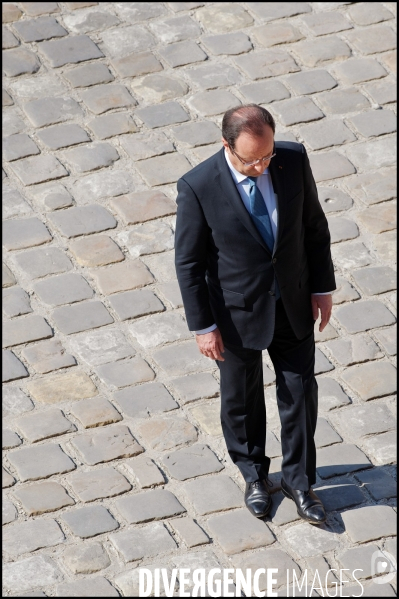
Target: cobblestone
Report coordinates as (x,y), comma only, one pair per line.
(10,439)
(163,169)
(90,521)
(169,113)
(267,63)
(190,532)
(327,133)
(23,233)
(37,30)
(122,277)
(33,463)
(43,497)
(62,136)
(382,92)
(49,111)
(25,330)
(95,412)
(182,359)
(145,400)
(378,219)
(139,207)
(9,512)
(238,531)
(387,338)
(86,559)
(229,43)
(192,461)
(15,402)
(129,372)
(19,146)
(88,74)
(272,35)
(163,434)
(106,445)
(101,98)
(130,94)
(19,61)
(368,13)
(82,317)
(363,316)
(163,328)
(14,204)
(13,368)
(63,289)
(113,124)
(341,101)
(372,188)
(31,572)
(141,146)
(223,18)
(340,458)
(98,587)
(351,350)
(8,278)
(98,250)
(372,379)
(83,220)
(315,541)
(370,522)
(357,70)
(148,541)
(37,427)
(72,50)
(213,494)
(38,169)
(68,386)
(151,505)
(195,386)
(145,471)
(25,537)
(98,484)
(324,23)
(137,64)
(382,448)
(52,196)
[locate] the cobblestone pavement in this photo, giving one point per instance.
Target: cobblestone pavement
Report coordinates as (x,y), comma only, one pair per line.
(113,454)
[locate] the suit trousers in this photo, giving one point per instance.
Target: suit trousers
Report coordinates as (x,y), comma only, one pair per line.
(243,411)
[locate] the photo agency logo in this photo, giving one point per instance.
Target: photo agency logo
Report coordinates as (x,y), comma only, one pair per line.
(383,567)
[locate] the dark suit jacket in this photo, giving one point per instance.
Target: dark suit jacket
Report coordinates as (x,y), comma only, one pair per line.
(226,271)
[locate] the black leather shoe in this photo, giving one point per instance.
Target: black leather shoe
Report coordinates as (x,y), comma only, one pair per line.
(309,506)
(257,498)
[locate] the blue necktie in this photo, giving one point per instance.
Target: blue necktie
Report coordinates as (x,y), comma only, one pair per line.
(261,218)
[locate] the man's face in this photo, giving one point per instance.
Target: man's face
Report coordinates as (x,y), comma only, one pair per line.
(249,148)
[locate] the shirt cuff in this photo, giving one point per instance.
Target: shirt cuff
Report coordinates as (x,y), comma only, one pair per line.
(324,293)
(207,330)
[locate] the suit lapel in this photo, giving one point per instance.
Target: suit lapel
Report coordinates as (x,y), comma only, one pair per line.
(228,188)
(278,175)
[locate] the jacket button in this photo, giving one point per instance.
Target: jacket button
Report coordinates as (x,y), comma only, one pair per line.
(271,293)
(274,260)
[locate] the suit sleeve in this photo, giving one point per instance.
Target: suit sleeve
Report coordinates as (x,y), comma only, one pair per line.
(317,235)
(191,239)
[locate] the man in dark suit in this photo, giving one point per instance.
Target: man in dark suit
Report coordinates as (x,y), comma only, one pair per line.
(254,267)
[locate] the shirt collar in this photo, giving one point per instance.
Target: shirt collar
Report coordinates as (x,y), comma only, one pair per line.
(239,177)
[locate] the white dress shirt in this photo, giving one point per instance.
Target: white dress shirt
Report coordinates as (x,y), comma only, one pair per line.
(265,186)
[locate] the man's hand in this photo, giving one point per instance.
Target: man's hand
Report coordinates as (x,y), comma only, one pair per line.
(324,304)
(211,345)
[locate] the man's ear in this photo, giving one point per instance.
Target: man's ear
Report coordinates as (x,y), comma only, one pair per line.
(225,143)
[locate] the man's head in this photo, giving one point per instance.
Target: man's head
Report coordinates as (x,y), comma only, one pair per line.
(248,135)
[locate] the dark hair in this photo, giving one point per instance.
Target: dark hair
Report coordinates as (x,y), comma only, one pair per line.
(250,118)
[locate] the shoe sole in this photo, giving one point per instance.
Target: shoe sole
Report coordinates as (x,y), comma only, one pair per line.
(316,522)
